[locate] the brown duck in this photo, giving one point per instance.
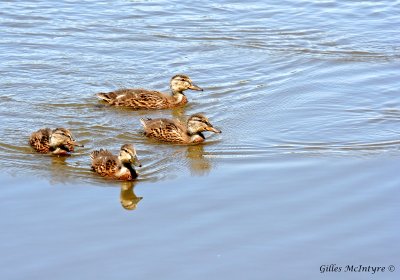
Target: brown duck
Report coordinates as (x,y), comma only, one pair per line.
(58,141)
(118,167)
(149,99)
(177,132)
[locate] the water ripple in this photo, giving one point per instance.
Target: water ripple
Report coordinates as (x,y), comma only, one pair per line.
(278,79)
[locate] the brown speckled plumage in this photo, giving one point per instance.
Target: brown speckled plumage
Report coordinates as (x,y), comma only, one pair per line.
(177,132)
(119,167)
(58,141)
(40,139)
(149,99)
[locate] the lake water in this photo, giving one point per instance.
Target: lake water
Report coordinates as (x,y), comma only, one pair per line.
(304,174)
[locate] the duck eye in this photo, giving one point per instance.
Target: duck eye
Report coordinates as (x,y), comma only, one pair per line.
(67,135)
(128,152)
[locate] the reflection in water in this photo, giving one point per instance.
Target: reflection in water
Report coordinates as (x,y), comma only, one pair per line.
(199,165)
(178,113)
(128,198)
(57,169)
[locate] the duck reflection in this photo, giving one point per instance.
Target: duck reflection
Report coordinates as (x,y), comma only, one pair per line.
(178,112)
(198,164)
(58,170)
(129,200)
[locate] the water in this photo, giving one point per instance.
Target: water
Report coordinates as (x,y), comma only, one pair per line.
(303,175)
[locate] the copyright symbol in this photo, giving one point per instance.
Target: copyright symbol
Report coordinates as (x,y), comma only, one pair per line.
(391,268)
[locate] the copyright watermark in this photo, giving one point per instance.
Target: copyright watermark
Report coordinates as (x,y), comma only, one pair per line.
(356,268)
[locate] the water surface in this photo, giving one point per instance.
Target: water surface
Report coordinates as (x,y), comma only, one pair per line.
(304,173)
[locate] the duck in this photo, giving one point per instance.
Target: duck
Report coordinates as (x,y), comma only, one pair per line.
(175,131)
(57,141)
(115,167)
(149,99)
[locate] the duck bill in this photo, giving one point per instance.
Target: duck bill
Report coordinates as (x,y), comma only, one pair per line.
(195,87)
(213,129)
(77,144)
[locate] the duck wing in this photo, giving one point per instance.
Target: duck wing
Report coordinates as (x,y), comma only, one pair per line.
(136,98)
(104,162)
(165,130)
(40,140)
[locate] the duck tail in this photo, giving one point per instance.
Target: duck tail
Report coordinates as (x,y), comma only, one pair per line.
(143,122)
(94,154)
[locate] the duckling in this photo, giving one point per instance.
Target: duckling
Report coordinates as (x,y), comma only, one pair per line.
(149,99)
(118,167)
(58,141)
(178,132)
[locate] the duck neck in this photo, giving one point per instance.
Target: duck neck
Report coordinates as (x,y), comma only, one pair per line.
(196,137)
(131,169)
(178,97)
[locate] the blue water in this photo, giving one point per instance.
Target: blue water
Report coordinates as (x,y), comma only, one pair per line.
(303,175)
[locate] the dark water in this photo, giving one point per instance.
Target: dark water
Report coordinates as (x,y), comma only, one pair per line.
(303,175)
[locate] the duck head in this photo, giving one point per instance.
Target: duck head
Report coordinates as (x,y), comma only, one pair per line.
(127,155)
(179,83)
(62,141)
(198,123)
